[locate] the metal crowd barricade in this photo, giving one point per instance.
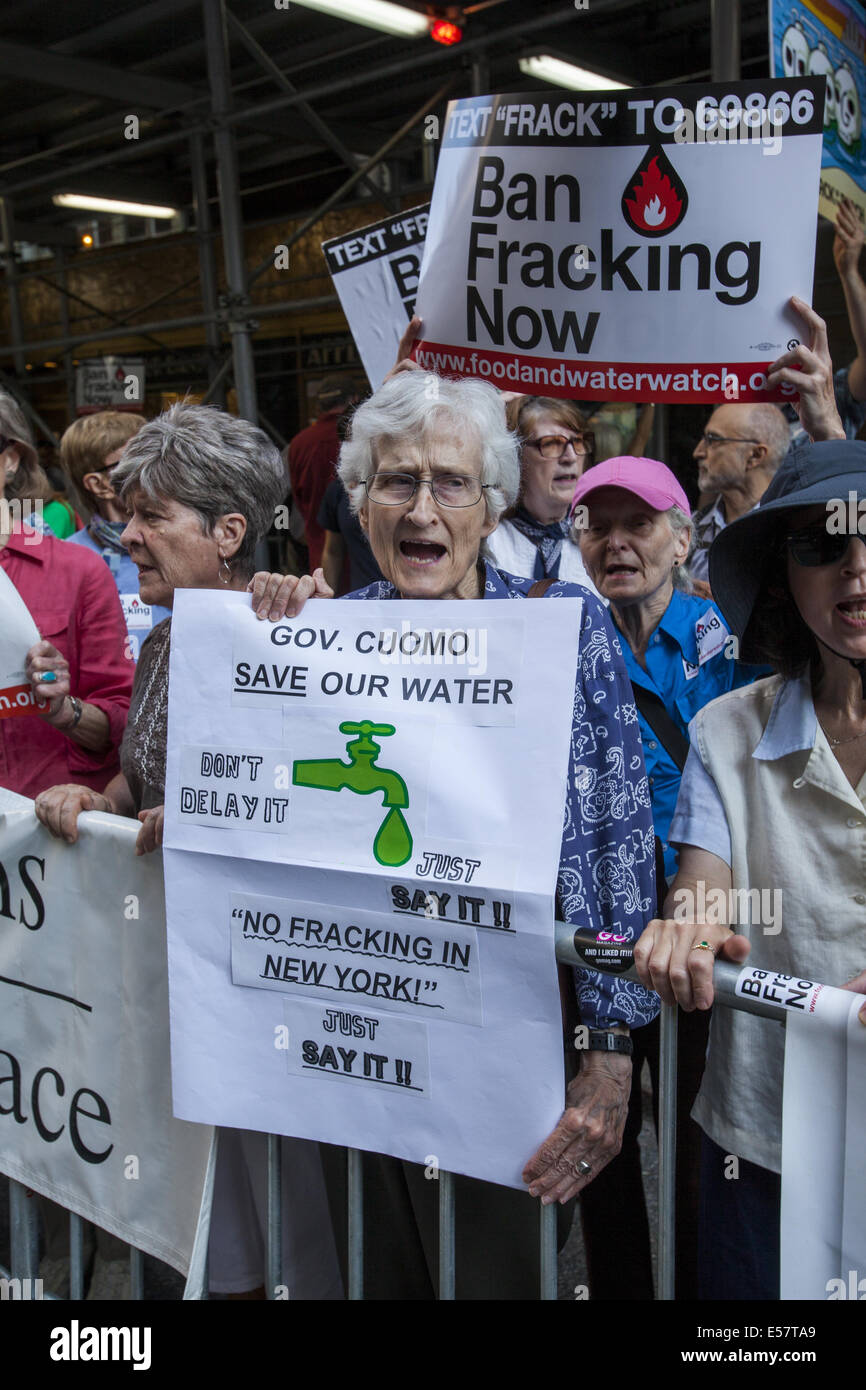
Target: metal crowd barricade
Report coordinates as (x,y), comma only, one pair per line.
(573,947)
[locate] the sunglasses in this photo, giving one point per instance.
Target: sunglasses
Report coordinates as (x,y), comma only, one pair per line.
(815,545)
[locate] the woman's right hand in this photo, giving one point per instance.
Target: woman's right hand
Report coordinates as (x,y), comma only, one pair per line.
(58,808)
(671,959)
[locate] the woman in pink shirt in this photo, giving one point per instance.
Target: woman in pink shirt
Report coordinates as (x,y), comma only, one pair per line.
(81,671)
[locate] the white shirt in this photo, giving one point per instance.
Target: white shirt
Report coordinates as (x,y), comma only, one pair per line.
(763,791)
(515,553)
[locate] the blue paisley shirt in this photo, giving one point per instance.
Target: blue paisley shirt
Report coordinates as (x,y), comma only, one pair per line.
(606,878)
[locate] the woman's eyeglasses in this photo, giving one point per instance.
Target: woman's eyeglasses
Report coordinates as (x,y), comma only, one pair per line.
(554,446)
(449,489)
(815,545)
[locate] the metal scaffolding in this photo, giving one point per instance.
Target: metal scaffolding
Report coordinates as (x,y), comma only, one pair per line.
(233,312)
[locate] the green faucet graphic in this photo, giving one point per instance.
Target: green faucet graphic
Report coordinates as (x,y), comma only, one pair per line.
(393,843)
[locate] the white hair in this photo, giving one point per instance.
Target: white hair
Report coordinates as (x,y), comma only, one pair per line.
(413,406)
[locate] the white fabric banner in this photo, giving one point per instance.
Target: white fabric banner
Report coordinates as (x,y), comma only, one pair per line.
(823,1250)
(18,633)
(622,245)
(85,1105)
(363,824)
(375,270)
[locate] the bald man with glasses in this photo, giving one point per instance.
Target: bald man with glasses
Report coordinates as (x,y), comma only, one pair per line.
(737,455)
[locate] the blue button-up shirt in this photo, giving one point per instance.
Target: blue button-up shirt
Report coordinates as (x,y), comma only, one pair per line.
(688,663)
(606,878)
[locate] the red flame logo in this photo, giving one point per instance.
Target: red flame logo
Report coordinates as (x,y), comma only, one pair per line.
(655,200)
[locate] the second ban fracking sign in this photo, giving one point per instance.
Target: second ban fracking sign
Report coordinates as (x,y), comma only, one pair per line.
(625,245)
(363,827)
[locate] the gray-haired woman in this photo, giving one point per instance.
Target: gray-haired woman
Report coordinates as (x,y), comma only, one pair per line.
(202,487)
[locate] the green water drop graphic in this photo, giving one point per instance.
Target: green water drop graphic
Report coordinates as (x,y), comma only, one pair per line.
(393,844)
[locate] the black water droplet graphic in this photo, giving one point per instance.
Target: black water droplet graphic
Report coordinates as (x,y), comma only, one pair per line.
(655,200)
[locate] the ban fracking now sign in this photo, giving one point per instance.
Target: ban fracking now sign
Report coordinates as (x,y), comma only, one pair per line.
(623,245)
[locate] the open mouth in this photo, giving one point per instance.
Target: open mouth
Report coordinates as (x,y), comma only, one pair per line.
(613,570)
(421,552)
(853,611)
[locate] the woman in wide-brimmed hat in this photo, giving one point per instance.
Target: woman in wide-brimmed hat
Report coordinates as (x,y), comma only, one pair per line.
(772,813)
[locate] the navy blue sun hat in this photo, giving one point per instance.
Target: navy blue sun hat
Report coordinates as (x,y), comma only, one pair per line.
(743,553)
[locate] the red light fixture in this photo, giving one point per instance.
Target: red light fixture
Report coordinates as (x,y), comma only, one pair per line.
(445,31)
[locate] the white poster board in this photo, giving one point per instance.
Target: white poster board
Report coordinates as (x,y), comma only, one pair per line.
(823,1230)
(18,633)
(85,1102)
(375,271)
(622,245)
(360,918)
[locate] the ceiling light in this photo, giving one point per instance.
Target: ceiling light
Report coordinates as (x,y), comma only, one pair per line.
(567,75)
(374,14)
(83,200)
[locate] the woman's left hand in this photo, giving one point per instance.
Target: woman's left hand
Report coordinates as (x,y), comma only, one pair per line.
(590,1130)
(858,986)
(150,834)
(41,658)
(278,596)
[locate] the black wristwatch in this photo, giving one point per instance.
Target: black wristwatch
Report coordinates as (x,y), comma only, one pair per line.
(602,1040)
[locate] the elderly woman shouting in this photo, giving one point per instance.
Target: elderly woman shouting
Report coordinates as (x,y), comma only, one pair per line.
(429,482)
(202,487)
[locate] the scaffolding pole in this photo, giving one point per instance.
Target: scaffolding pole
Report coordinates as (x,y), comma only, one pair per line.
(238,301)
(207,267)
(100,335)
(7,229)
(359,173)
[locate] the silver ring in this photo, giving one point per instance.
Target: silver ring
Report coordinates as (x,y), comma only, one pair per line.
(584,1168)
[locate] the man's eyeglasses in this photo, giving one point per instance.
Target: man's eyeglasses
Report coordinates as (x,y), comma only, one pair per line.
(554,446)
(815,545)
(449,489)
(711,439)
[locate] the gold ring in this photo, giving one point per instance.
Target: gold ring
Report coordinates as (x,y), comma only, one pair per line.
(704,946)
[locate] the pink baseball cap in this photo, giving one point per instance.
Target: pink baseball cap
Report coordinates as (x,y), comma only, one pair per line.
(648,479)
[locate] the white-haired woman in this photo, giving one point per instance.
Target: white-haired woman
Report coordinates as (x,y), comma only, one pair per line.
(429,473)
(631,518)
(202,487)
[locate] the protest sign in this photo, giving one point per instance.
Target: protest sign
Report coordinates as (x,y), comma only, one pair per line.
(823,1224)
(363,827)
(85,1105)
(827,38)
(375,272)
(109,383)
(18,633)
(622,245)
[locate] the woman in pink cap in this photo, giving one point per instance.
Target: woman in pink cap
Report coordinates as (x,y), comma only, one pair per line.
(631,519)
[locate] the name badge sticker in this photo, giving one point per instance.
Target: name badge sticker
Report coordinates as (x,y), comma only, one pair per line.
(711,635)
(138,615)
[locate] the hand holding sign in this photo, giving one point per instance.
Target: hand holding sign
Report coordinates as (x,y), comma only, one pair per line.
(811,371)
(150,834)
(278,596)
